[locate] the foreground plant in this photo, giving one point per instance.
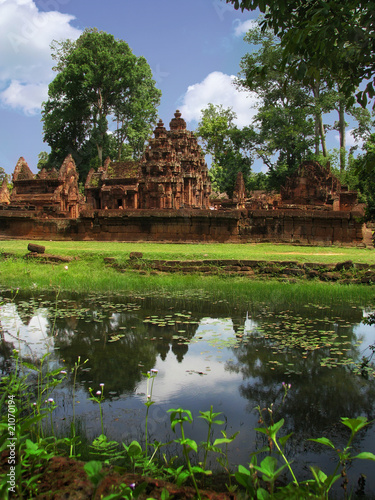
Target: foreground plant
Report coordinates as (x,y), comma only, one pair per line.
(178,417)
(270,469)
(150,385)
(95,474)
(210,418)
(25,438)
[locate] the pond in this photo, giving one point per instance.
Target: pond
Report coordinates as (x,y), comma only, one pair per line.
(232,355)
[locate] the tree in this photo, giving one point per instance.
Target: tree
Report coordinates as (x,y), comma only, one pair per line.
(229,147)
(284,122)
(42,160)
(98,78)
(334,36)
(3,175)
(263,73)
(364,170)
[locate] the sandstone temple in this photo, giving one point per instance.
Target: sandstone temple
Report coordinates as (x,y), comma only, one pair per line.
(172,174)
(166,196)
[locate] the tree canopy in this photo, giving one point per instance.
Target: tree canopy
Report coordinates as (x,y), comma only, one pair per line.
(98,79)
(283,124)
(229,147)
(334,36)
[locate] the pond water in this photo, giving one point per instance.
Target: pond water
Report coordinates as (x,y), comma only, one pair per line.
(233,356)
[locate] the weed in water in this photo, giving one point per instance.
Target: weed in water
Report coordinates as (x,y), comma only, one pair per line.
(319,486)
(178,417)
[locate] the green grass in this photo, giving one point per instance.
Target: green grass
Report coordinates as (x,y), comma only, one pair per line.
(191,251)
(89,274)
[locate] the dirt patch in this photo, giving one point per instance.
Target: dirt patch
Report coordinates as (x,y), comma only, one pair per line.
(64,478)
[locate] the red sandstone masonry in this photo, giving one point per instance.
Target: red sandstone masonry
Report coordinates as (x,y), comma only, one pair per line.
(294,226)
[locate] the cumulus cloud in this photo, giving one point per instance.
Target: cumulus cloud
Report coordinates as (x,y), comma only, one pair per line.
(350,139)
(26,32)
(218,88)
(28,97)
(240,28)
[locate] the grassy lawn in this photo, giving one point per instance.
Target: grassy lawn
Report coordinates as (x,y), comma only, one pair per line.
(89,272)
(191,251)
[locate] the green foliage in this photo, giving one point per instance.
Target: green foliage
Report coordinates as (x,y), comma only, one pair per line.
(335,37)
(363,168)
(259,480)
(42,160)
(98,77)
(283,132)
(317,487)
(229,147)
(3,175)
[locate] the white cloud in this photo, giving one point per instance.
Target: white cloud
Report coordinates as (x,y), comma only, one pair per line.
(240,28)
(218,88)
(28,97)
(26,33)
(350,139)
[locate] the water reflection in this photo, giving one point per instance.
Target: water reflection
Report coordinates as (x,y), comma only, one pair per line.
(234,357)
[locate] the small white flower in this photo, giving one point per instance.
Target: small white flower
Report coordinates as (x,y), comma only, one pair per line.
(98,393)
(101,385)
(66,268)
(50,400)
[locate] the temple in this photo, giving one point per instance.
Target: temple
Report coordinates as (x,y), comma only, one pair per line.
(171,174)
(166,196)
(49,193)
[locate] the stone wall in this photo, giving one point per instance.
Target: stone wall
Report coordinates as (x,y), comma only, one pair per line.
(277,226)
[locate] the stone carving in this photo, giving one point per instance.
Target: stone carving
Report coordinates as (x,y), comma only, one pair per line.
(315,186)
(143,200)
(4,193)
(49,192)
(171,174)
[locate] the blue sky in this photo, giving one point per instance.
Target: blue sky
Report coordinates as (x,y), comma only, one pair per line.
(193,47)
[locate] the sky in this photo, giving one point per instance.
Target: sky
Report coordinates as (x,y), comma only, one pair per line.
(194,48)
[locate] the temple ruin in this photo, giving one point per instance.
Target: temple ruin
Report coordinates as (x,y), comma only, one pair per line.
(165,196)
(48,193)
(172,174)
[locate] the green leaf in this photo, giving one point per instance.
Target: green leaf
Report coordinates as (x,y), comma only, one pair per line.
(222,441)
(262,494)
(134,449)
(365,455)
(268,469)
(355,424)
(324,441)
(262,430)
(243,470)
(199,470)
(93,470)
(284,439)
(191,443)
(272,429)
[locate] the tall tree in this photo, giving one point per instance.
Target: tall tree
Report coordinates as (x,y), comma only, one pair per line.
(98,78)
(229,146)
(284,121)
(364,169)
(334,36)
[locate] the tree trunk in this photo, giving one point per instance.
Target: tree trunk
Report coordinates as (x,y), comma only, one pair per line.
(319,127)
(100,154)
(317,135)
(322,135)
(342,127)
